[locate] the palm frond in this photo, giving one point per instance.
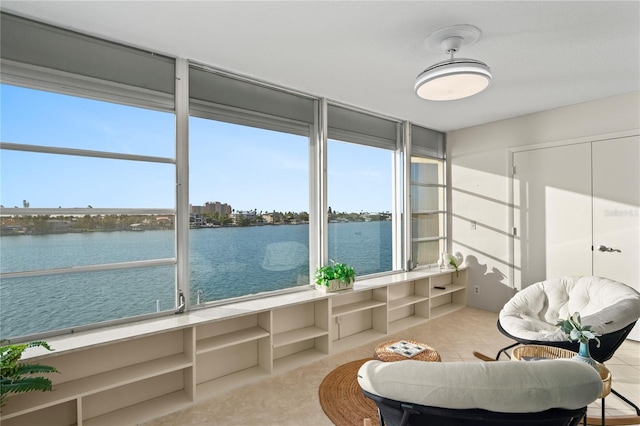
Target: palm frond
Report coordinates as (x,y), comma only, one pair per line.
(39,343)
(27,384)
(18,378)
(24,369)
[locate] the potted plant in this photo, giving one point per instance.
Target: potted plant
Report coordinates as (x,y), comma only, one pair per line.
(575,330)
(19,377)
(448,261)
(334,277)
(452,262)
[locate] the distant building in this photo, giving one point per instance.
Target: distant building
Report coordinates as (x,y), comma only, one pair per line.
(196,209)
(164,221)
(196,221)
(223,209)
(239,215)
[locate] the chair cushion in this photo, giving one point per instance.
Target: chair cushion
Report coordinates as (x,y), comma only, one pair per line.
(605,304)
(506,387)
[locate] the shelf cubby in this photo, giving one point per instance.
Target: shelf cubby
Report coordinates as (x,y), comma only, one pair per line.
(354,301)
(137,413)
(230,351)
(230,332)
(353,313)
(300,332)
(452,297)
(235,380)
(64,413)
(408,303)
(297,359)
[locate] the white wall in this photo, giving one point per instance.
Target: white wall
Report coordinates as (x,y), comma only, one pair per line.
(479,182)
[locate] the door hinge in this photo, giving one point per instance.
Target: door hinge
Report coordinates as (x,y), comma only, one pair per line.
(513,172)
(515,231)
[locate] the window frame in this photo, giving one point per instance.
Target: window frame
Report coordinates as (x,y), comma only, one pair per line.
(374,130)
(43,85)
(425,143)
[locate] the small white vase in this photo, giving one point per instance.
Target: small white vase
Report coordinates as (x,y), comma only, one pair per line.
(459,258)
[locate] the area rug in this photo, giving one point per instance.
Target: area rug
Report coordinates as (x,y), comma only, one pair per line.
(341,397)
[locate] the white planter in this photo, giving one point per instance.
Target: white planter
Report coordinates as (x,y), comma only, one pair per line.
(335,285)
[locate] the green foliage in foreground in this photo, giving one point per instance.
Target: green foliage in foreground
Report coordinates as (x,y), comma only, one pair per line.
(20,377)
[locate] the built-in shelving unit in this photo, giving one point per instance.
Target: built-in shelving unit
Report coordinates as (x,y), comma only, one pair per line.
(128,374)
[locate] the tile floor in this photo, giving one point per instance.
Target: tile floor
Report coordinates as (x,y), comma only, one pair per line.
(291,398)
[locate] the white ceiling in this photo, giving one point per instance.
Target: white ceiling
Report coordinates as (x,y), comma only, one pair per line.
(543,54)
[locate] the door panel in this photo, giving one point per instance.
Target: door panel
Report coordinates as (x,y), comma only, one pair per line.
(552,213)
(616,211)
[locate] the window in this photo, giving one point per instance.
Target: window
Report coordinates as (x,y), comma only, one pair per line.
(248,186)
(77,187)
(428,212)
(360,202)
(249,196)
(361,184)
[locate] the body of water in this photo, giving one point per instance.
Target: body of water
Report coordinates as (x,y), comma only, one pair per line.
(224,263)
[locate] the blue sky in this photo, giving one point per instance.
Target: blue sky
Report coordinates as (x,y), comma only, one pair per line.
(245,167)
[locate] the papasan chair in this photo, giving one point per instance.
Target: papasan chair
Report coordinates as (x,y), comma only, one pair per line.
(415,393)
(610,307)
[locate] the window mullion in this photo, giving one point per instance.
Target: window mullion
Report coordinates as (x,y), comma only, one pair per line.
(83,153)
(406,180)
(318,251)
(182,182)
(399,253)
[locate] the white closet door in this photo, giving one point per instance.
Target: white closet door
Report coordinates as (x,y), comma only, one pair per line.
(552,213)
(616,211)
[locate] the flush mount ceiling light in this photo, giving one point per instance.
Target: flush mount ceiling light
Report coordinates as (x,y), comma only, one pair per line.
(453,78)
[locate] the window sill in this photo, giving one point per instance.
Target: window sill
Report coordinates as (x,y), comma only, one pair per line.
(118,333)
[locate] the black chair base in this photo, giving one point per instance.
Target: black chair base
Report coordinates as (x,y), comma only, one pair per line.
(609,343)
(396,413)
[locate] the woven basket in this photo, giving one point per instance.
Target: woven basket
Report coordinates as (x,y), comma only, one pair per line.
(539,351)
(429,354)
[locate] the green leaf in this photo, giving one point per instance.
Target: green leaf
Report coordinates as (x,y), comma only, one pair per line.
(27,384)
(574,330)
(332,271)
(23,369)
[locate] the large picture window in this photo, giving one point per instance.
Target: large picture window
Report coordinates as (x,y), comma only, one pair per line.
(249,202)
(360,205)
(361,185)
(78,186)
